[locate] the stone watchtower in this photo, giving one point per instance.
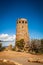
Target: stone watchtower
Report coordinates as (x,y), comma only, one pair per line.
(22,30)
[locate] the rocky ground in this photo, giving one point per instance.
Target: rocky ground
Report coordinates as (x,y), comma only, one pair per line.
(21,57)
(8,62)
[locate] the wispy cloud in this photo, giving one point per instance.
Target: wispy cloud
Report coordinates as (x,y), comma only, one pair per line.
(7,37)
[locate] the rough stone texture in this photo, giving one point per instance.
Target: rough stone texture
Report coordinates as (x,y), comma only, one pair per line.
(22,31)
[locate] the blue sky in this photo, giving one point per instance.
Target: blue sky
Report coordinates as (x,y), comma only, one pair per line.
(11,10)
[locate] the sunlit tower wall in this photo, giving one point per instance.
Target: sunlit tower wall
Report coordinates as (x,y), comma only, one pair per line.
(22,30)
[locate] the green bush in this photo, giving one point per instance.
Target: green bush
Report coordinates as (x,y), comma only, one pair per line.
(20,44)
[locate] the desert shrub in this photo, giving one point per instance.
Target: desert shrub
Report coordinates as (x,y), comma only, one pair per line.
(0,46)
(36,46)
(13,49)
(20,44)
(41,45)
(3,48)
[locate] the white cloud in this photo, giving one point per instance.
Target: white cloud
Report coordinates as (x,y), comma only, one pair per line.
(6,37)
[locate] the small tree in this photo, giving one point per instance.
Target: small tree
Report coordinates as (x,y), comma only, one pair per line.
(20,44)
(33,46)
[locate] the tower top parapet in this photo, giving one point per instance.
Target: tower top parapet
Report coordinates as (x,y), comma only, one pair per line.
(22,20)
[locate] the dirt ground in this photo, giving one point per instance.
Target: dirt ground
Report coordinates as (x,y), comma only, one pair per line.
(3,63)
(20,57)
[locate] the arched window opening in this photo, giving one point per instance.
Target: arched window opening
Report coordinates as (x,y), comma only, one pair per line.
(22,21)
(25,21)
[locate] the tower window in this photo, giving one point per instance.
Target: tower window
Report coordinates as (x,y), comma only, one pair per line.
(19,21)
(25,21)
(22,21)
